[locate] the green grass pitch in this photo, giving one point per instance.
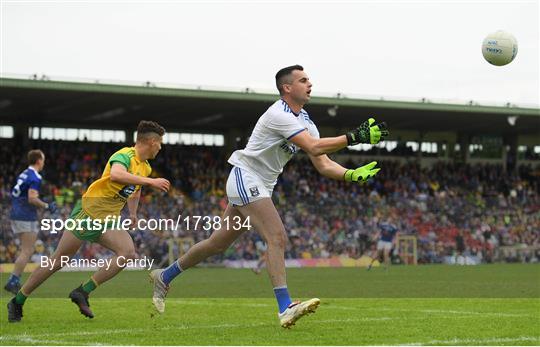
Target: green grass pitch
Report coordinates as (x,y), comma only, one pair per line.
(435,305)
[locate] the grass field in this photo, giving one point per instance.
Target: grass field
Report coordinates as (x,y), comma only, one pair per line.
(436,305)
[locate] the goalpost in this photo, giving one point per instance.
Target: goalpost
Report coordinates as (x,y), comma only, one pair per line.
(406,245)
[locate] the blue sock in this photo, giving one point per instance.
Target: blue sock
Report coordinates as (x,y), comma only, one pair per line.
(171,272)
(14,279)
(283,298)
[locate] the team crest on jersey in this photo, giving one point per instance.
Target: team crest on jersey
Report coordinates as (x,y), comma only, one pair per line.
(289,148)
(254,191)
(126,191)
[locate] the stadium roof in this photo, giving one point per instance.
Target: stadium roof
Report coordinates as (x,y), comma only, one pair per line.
(96,105)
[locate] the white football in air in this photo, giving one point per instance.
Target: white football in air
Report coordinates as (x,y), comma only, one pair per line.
(499,48)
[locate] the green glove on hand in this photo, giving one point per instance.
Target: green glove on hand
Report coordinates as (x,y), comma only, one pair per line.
(362,173)
(367,132)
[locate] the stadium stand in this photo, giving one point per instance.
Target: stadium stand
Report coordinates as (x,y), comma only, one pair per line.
(494,208)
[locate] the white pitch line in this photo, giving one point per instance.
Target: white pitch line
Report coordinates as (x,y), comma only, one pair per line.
(206,303)
(496,314)
(185,327)
(29,339)
(499,314)
(141,330)
(458,341)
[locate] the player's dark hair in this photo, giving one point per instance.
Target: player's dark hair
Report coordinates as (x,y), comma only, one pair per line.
(147,129)
(35,155)
(283,76)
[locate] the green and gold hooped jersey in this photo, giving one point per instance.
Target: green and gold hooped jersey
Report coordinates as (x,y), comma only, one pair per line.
(104,197)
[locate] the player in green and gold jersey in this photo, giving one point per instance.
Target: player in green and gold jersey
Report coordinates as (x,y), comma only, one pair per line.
(120,184)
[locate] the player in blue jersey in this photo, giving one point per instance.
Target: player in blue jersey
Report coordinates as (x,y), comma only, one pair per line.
(24,220)
(387,235)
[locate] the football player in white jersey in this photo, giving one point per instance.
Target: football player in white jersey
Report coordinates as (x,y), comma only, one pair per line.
(279,133)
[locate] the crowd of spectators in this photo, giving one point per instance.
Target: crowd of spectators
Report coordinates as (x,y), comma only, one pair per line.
(492,208)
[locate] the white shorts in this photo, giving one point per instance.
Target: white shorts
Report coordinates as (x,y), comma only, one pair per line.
(24,226)
(386,245)
(244,187)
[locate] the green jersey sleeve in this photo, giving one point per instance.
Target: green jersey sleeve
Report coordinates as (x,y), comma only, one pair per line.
(120,158)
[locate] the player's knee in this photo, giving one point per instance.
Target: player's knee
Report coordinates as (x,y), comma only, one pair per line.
(26,253)
(128,253)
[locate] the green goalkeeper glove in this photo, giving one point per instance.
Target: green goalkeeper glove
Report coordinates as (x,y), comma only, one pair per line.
(367,132)
(362,174)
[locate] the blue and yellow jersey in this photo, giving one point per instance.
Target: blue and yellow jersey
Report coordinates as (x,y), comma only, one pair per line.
(104,197)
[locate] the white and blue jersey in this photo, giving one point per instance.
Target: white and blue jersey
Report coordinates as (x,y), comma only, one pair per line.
(388,232)
(269,147)
(20,208)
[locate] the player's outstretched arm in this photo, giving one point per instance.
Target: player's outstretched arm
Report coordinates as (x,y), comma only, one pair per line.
(369,132)
(329,168)
(315,147)
(119,174)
